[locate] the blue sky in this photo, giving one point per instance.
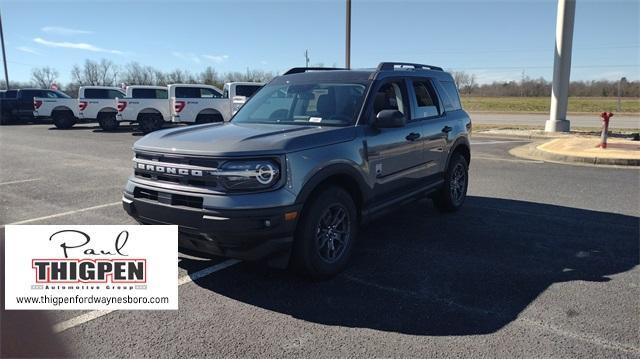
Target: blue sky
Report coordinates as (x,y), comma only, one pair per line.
(496,40)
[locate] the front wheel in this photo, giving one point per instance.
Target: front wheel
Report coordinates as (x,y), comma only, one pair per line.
(63,119)
(325,234)
(107,121)
(452,195)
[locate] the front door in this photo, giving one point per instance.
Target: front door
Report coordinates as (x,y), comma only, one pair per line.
(396,155)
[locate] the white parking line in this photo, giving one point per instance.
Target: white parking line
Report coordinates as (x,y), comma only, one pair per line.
(20,181)
(64,213)
(87,317)
(474,143)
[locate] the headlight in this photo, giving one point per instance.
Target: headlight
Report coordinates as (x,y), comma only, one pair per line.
(249,175)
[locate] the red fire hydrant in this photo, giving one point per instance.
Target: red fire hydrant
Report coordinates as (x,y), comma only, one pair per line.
(605,129)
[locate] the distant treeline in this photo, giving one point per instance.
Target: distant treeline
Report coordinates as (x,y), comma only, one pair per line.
(528,87)
(107,73)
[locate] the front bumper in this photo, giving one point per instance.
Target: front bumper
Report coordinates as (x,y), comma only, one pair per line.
(249,234)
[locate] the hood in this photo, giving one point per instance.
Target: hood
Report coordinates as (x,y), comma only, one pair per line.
(244,139)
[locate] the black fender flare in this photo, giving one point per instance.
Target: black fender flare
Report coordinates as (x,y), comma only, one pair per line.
(460,141)
(357,182)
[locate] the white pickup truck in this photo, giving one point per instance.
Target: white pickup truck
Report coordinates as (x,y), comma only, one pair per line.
(63,111)
(204,103)
(148,106)
(93,103)
(98,103)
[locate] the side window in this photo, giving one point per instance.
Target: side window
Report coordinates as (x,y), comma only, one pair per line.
(187,92)
(209,93)
(143,93)
(115,93)
(162,94)
(51,94)
(451,93)
(390,96)
(426,100)
(31,93)
(246,90)
(95,93)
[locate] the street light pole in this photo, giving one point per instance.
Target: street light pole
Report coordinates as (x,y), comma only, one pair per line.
(557,121)
(4,55)
(347,60)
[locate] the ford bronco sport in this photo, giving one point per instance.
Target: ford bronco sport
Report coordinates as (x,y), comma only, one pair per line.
(310,157)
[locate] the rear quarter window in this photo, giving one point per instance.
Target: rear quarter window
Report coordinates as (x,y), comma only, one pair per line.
(450,95)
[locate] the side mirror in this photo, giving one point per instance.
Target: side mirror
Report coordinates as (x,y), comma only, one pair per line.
(390,119)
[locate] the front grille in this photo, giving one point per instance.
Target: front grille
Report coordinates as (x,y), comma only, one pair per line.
(168,198)
(179,159)
(196,170)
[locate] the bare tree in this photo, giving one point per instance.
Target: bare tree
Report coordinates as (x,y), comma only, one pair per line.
(209,76)
(465,82)
(44,77)
(103,73)
(136,74)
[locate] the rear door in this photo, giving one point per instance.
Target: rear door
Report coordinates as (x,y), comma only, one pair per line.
(428,109)
(454,115)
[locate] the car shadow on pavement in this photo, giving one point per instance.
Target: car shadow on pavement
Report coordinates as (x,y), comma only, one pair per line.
(423,273)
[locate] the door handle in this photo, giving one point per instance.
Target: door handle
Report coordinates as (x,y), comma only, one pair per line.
(412,136)
(447,129)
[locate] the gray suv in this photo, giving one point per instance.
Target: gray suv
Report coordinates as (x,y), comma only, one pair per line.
(309,158)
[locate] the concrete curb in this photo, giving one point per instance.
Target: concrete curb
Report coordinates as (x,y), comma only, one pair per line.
(531,151)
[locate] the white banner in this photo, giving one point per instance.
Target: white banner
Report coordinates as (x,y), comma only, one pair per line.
(91,267)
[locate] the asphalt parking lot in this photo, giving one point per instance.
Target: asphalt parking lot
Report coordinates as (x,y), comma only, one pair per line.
(542,261)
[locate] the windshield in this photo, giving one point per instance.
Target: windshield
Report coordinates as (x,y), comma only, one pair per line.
(333,104)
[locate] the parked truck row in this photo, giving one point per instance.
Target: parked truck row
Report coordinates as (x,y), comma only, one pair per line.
(150,107)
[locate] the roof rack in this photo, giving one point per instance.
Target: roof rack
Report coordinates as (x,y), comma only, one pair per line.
(390,66)
(298,70)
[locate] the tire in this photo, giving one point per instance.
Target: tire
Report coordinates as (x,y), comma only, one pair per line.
(63,119)
(200,119)
(150,123)
(107,121)
(322,247)
(454,191)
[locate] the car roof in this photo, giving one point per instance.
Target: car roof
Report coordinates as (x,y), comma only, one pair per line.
(360,75)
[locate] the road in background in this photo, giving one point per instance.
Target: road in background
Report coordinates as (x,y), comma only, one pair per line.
(541,261)
(524,119)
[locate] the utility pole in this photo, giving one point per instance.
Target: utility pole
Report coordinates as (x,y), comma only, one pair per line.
(306,57)
(347,60)
(4,55)
(557,121)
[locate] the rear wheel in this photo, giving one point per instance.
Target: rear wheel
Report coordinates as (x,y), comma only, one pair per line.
(325,234)
(107,121)
(149,123)
(63,119)
(452,195)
